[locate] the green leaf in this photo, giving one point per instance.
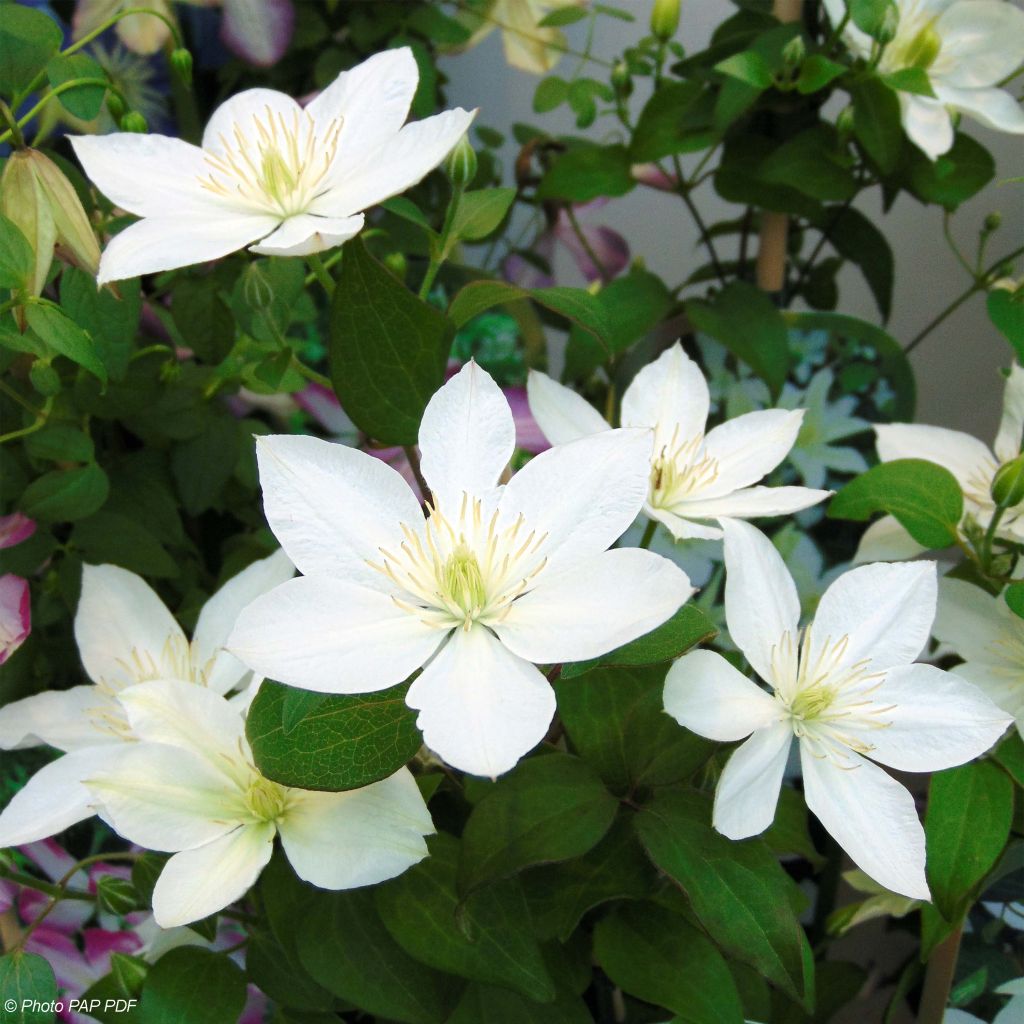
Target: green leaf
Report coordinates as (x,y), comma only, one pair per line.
(65,337)
(789,833)
(484,1004)
(64,495)
(204,464)
(1014,598)
(402,206)
(913,80)
(345,947)
(616,721)
(586,171)
(551,92)
(749,67)
(479,213)
(955,177)
(487,938)
(738,891)
(111,321)
(25,979)
(1010,753)
(739,180)
(813,162)
(28,39)
(744,319)
(672,639)
(923,496)
(194,985)
(970,811)
(674,120)
(59,442)
(82,101)
(17,260)
(816,72)
(1006,311)
(876,122)
(870,15)
(562,16)
(857,239)
(548,809)
(334,743)
(388,349)
(656,955)
(203,317)
(121,540)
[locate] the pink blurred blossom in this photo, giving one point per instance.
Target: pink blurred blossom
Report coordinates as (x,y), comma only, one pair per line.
(15,614)
(15,528)
(653,176)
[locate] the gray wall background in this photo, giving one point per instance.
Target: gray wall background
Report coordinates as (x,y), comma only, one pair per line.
(957,366)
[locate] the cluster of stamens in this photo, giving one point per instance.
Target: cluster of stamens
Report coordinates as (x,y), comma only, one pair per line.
(276,167)
(680,469)
(463,570)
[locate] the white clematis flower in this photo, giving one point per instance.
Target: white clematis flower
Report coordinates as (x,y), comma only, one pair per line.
(294,180)
(990,638)
(973,464)
(846,689)
(190,788)
(494,581)
(695,478)
(966,47)
(528,45)
(126,636)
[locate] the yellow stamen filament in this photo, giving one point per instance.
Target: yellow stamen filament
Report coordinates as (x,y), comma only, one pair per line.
(681,469)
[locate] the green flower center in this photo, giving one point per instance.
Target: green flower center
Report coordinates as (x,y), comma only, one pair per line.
(923,49)
(266,800)
(463,581)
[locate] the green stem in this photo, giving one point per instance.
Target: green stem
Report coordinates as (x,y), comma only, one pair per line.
(40,422)
(587,247)
(645,540)
(71,83)
(954,248)
(414,462)
(938,979)
(990,533)
(11,393)
(439,253)
(325,265)
(18,878)
(705,236)
(320,272)
(310,374)
(185,110)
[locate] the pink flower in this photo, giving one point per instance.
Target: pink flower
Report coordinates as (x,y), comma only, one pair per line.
(15,528)
(654,177)
(15,614)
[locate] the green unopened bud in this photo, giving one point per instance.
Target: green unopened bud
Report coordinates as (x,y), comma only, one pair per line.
(181,62)
(461,164)
(844,123)
(923,49)
(890,23)
(1008,483)
(622,80)
(22,201)
(258,292)
(116,895)
(129,972)
(76,240)
(115,105)
(664,19)
(993,221)
(133,121)
(794,51)
(44,378)
(396,263)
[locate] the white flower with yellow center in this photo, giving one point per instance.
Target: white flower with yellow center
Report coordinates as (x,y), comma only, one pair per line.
(846,689)
(126,636)
(495,580)
(189,787)
(697,479)
(966,47)
(293,179)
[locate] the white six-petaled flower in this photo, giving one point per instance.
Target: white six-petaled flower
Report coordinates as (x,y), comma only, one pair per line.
(126,636)
(846,688)
(497,578)
(696,479)
(966,47)
(293,179)
(189,787)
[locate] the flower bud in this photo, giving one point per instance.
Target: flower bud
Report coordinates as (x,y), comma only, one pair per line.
(22,201)
(794,51)
(844,123)
(890,23)
(461,164)
(116,895)
(622,80)
(1008,483)
(115,105)
(76,240)
(993,221)
(396,263)
(133,121)
(44,378)
(259,295)
(181,62)
(664,19)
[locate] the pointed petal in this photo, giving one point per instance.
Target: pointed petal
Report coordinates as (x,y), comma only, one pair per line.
(199,882)
(561,413)
(871,816)
(886,610)
(243,109)
(303,234)
(332,636)
(981,43)
(222,670)
(748,791)
(994,108)
(886,540)
(481,707)
(680,528)
(466,437)
(258,31)
(1011,425)
(933,720)
(706,695)
(584,495)
(373,98)
(58,718)
(332,507)
(927,124)
(749,447)
(121,623)
(752,502)
(977,625)
(964,456)
(761,601)
(356,838)
(669,394)
(595,607)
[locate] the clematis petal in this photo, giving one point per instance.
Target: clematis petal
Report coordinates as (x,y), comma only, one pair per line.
(595,607)
(58,718)
(1011,425)
(932,720)
(222,671)
(244,109)
(748,791)
(761,602)
(749,447)
(582,495)
(978,626)
(994,108)
(886,540)
(327,504)
(886,610)
(197,883)
(303,234)
(481,707)
(752,502)
(332,636)
(55,798)
(356,838)
(871,816)
(258,31)
(670,395)
(466,437)
(15,614)
(680,528)
(927,124)
(982,43)
(373,99)
(562,414)
(123,630)
(706,695)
